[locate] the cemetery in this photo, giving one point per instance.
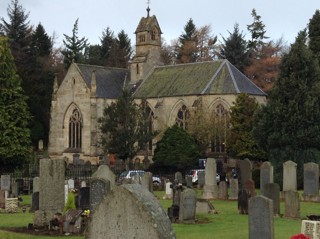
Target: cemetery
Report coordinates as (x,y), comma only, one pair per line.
(101,207)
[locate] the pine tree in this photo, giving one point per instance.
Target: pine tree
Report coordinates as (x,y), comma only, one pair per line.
(288,126)
(257,30)
(107,42)
(74,47)
(14,115)
(314,34)
(235,49)
(242,144)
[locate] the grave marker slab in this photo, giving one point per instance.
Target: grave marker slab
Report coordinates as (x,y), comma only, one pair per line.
(289,176)
(245,171)
(188,202)
(311,182)
(234,189)
(223,190)
(292,204)
(272,191)
(266,175)
(210,189)
(98,190)
(84,198)
(5,182)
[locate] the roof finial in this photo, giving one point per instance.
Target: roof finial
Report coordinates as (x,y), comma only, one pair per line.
(148,8)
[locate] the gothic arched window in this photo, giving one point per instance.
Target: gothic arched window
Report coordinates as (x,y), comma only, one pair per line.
(221,126)
(183,117)
(150,119)
(75,130)
(153,35)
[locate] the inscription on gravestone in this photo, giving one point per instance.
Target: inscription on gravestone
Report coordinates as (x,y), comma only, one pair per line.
(311,179)
(98,190)
(188,202)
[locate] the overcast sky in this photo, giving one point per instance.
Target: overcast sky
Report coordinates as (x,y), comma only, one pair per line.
(282,18)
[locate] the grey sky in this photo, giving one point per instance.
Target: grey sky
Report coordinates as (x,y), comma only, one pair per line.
(281,17)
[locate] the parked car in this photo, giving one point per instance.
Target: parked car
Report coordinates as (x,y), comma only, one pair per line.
(194,174)
(129,174)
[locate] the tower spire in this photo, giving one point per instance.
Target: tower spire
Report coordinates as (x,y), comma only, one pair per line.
(148,8)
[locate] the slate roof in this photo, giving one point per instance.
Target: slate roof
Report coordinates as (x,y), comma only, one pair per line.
(110,81)
(214,77)
(147,24)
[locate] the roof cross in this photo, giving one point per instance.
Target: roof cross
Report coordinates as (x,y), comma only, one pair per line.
(148,9)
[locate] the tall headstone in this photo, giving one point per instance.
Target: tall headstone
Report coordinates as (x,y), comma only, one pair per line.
(66,192)
(292,204)
(188,202)
(201,179)
(147,181)
(34,202)
(169,193)
(5,182)
(130,212)
(272,191)
(2,198)
(210,189)
(249,186)
(84,198)
(234,189)
(188,181)
(223,190)
(51,193)
(178,176)
(71,184)
(99,188)
(311,182)
(245,171)
(266,175)
(261,218)
(36,184)
(289,176)
(105,173)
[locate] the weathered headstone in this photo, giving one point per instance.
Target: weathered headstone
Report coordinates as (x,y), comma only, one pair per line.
(292,204)
(188,202)
(34,202)
(266,175)
(104,172)
(243,201)
(311,182)
(130,211)
(261,218)
(223,190)
(98,190)
(169,193)
(210,189)
(5,182)
(289,176)
(234,189)
(204,206)
(36,184)
(147,181)
(2,198)
(272,191)
(249,186)
(245,171)
(178,176)
(310,229)
(83,184)
(201,179)
(189,181)
(51,193)
(84,198)
(71,184)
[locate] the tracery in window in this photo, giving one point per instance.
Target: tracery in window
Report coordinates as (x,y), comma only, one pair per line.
(183,117)
(153,35)
(142,38)
(75,130)
(221,126)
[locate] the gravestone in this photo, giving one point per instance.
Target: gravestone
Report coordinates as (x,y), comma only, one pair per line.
(272,191)
(51,193)
(234,189)
(187,209)
(34,202)
(223,190)
(243,201)
(210,189)
(104,172)
(249,186)
(66,192)
(83,184)
(204,206)
(15,190)
(311,182)
(5,182)
(2,198)
(147,181)
(289,176)
(292,204)
(178,176)
(98,190)
(84,198)
(266,175)
(201,179)
(261,218)
(36,184)
(136,179)
(169,192)
(310,229)
(71,184)
(245,171)
(130,211)
(189,181)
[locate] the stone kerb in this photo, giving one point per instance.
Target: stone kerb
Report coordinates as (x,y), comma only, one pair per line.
(130,211)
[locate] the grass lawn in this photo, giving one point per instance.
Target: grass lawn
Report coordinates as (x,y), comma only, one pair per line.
(226,224)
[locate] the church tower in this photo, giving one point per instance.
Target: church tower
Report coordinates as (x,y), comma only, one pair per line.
(148,48)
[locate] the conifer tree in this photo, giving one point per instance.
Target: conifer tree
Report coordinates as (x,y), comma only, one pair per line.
(288,127)
(314,34)
(74,47)
(14,115)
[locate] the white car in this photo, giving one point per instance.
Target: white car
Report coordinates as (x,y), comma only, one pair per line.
(194,174)
(129,174)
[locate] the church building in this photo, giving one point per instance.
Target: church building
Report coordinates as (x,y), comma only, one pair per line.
(172,92)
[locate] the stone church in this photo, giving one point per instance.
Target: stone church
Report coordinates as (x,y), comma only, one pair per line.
(172,92)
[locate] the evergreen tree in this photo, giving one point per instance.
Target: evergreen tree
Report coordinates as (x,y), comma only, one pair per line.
(242,143)
(176,150)
(93,55)
(235,49)
(74,47)
(14,115)
(314,34)
(123,125)
(288,127)
(257,30)
(107,42)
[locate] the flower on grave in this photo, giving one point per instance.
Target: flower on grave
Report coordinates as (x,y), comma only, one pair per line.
(299,236)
